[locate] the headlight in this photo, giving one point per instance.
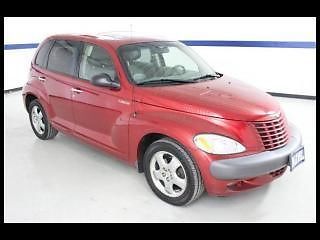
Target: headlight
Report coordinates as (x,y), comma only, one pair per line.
(217,144)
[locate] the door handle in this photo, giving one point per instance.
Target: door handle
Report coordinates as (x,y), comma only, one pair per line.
(42,79)
(75,90)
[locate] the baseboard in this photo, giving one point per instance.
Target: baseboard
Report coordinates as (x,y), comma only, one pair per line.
(13,90)
(287,95)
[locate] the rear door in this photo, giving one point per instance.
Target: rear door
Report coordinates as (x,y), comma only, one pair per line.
(38,70)
(61,66)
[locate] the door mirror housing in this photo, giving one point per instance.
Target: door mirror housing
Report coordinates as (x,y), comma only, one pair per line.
(104,80)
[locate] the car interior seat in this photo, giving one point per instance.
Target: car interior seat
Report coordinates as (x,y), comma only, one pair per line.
(130,56)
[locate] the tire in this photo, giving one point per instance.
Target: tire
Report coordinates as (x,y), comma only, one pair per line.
(162,171)
(40,125)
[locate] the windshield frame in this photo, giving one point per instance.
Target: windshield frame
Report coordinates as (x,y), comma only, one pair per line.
(177,44)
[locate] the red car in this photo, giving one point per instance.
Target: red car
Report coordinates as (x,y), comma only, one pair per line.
(158,106)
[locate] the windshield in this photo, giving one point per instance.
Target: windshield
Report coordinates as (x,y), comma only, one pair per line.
(163,62)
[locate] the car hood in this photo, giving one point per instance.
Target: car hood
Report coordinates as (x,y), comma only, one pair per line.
(224,97)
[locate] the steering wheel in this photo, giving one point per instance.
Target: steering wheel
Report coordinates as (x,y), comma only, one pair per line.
(179,69)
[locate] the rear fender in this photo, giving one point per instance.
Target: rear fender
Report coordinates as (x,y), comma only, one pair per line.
(42,98)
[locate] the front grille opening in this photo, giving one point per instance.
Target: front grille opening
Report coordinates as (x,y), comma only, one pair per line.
(241,185)
(273,133)
(278,172)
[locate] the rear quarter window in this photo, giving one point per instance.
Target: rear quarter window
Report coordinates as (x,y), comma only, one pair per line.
(41,58)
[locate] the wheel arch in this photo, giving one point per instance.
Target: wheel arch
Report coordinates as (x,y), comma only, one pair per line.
(144,143)
(31,93)
(150,138)
(29,98)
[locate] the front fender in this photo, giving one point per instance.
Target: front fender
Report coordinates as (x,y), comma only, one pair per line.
(182,127)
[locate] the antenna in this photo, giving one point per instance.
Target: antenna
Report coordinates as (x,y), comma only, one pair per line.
(131,30)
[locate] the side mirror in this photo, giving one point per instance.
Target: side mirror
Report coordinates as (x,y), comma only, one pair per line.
(104,80)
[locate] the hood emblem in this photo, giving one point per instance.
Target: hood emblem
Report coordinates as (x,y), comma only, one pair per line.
(275,115)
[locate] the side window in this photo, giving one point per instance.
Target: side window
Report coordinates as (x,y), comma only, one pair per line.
(94,61)
(63,56)
(41,59)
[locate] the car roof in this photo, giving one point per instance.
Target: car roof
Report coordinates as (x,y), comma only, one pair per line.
(114,39)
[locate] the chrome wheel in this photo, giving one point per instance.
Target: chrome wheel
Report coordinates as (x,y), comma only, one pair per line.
(37,120)
(168,174)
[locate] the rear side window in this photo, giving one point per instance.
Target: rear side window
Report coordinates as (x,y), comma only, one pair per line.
(41,59)
(63,57)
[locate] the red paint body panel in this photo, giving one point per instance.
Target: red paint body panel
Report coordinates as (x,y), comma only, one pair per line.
(117,120)
(225,98)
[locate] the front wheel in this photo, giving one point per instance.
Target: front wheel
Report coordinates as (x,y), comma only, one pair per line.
(171,173)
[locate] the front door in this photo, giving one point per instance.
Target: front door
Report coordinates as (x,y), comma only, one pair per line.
(101,114)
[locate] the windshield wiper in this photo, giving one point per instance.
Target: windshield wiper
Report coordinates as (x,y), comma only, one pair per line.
(165,80)
(208,76)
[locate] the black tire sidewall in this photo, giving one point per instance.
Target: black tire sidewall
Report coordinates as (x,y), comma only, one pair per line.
(166,146)
(45,120)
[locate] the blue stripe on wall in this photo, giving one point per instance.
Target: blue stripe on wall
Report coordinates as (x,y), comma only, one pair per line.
(20,46)
(222,43)
(270,44)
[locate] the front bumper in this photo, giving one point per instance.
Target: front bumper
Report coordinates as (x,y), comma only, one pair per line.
(256,164)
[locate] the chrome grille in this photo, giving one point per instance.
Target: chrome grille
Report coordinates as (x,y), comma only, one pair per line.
(273,133)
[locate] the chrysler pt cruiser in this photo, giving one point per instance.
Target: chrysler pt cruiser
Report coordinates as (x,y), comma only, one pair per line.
(158,106)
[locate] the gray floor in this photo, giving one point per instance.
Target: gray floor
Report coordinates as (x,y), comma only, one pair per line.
(65,180)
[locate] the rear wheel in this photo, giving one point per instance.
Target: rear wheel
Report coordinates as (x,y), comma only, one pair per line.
(171,173)
(39,121)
